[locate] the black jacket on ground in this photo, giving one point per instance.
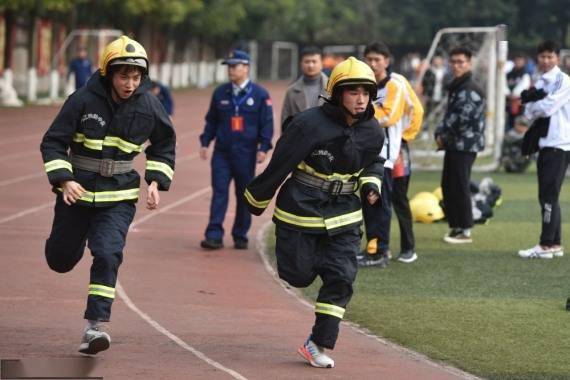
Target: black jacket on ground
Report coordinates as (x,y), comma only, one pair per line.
(319,142)
(91,124)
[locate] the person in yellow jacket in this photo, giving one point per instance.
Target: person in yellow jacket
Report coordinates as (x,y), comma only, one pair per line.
(88,154)
(398,110)
(332,153)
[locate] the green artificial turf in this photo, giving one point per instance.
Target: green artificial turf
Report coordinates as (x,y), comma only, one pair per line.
(478,306)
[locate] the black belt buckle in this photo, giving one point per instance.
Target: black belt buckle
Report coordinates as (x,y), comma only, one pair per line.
(107,167)
(335,187)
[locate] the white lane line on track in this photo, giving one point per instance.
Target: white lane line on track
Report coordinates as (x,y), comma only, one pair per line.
(23,178)
(27,211)
(158,327)
(173,337)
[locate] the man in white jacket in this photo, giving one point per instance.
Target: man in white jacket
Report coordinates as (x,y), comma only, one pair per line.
(554,153)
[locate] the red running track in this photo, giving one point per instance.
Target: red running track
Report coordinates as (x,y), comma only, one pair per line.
(182,313)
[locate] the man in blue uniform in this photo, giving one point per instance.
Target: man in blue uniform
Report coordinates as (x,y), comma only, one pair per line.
(81,68)
(240,119)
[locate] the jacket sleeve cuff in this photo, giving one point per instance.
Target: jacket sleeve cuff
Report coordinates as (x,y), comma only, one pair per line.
(255,207)
(160,172)
(58,171)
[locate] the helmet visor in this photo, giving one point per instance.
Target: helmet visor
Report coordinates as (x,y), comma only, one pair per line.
(141,62)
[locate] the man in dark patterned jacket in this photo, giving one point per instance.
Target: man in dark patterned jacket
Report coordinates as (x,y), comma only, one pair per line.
(461,135)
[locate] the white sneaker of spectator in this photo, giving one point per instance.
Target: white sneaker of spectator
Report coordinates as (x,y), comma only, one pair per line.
(537,252)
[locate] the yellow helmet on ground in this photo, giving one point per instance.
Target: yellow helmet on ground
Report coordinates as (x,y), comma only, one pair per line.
(438,193)
(123,51)
(425,208)
(351,72)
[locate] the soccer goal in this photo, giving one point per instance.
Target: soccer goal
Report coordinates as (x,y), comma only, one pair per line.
(490,47)
(94,40)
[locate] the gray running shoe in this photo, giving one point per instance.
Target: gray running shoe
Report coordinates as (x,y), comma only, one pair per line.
(94,341)
(407,257)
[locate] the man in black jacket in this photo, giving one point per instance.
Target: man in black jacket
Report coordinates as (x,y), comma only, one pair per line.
(104,126)
(461,135)
(332,151)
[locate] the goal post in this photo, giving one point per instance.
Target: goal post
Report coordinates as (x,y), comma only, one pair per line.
(95,39)
(490,49)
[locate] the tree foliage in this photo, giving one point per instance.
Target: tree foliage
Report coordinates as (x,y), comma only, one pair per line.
(404,22)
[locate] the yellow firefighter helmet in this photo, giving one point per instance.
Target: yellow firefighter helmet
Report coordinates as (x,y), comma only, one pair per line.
(352,72)
(123,51)
(425,208)
(438,193)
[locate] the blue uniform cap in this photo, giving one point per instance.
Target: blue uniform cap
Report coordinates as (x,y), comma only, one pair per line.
(235,57)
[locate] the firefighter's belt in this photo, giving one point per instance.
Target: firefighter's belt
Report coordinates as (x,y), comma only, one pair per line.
(105,166)
(336,187)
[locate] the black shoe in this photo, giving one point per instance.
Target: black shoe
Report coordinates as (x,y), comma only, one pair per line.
(240,244)
(212,244)
(379,259)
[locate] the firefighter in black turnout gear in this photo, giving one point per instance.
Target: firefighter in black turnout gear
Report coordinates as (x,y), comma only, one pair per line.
(88,154)
(332,152)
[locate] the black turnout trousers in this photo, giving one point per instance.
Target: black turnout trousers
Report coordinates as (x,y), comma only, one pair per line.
(302,256)
(104,231)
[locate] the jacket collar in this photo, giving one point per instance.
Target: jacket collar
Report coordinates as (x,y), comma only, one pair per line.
(457,83)
(550,76)
(336,113)
(298,84)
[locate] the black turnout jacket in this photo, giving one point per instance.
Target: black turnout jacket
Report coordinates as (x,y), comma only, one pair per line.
(319,142)
(91,124)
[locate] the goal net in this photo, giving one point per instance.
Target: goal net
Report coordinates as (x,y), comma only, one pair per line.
(489,48)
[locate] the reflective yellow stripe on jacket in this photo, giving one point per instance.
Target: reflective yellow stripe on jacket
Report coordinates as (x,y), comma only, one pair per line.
(329,309)
(109,196)
(113,141)
(317,221)
(160,167)
(254,202)
(57,164)
(343,220)
(301,221)
(364,180)
(101,290)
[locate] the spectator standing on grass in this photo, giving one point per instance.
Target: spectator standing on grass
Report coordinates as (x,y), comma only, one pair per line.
(240,119)
(81,68)
(461,136)
(554,149)
(305,92)
(399,112)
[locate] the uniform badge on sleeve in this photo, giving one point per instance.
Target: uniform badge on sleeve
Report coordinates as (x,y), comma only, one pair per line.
(268,102)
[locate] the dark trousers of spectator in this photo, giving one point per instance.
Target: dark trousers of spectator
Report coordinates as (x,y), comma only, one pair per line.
(377,219)
(455,180)
(401,205)
(551,168)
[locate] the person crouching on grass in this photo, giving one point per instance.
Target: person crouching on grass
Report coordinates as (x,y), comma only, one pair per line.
(103,126)
(332,152)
